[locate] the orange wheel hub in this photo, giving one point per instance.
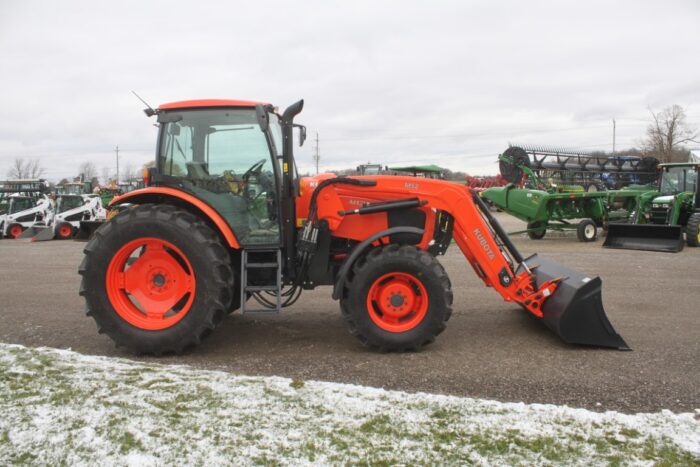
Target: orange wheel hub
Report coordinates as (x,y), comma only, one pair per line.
(65,231)
(397,302)
(15,231)
(150,283)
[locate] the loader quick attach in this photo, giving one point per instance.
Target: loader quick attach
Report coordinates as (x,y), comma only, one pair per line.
(225,223)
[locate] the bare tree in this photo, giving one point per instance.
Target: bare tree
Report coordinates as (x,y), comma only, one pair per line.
(128,174)
(667,133)
(22,168)
(107,176)
(88,170)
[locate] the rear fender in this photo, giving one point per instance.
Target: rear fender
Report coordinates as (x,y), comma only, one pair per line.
(162,195)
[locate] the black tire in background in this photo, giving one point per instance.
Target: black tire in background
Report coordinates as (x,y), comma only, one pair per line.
(201,247)
(539,233)
(692,230)
(397,259)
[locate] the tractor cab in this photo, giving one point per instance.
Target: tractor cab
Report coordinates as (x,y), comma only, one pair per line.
(677,195)
(678,178)
(221,153)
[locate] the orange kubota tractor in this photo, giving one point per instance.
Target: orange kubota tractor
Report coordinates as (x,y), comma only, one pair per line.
(225,222)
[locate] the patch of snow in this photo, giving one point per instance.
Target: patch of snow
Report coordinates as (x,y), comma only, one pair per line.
(62,407)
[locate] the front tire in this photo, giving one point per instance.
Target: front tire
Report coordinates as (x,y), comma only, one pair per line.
(15,230)
(64,231)
(156,279)
(398,298)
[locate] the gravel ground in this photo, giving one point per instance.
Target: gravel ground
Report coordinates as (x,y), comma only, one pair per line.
(491,349)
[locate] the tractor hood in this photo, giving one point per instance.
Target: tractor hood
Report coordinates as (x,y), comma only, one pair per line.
(668,199)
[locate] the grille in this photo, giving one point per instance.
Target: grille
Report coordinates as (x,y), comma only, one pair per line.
(658,215)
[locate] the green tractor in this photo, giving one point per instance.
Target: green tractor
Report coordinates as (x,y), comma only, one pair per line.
(661,216)
(556,205)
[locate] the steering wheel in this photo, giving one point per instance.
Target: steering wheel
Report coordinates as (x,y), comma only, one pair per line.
(254,169)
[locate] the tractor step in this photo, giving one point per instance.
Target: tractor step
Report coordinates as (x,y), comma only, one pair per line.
(257,259)
(262,265)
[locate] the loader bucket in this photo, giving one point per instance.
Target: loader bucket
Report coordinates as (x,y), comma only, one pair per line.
(86,229)
(575,311)
(37,234)
(650,237)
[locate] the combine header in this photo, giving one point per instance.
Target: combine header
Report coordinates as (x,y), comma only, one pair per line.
(225,219)
(565,167)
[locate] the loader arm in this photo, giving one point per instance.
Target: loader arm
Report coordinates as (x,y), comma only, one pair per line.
(568,302)
(490,253)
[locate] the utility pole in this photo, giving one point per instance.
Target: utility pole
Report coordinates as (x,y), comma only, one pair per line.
(613,136)
(317,156)
(117,151)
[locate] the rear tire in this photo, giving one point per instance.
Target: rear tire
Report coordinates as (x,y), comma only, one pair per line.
(64,231)
(587,230)
(404,273)
(15,230)
(175,254)
(539,233)
(692,230)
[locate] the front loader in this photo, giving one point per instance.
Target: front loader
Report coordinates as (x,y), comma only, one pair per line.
(660,217)
(225,223)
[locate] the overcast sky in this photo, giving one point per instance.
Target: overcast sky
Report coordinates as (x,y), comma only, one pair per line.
(398,82)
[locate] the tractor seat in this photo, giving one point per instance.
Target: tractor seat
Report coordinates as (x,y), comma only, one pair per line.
(197,170)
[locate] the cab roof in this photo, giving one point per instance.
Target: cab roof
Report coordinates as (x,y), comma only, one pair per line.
(198,103)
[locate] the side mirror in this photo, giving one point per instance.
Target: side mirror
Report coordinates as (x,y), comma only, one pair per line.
(263,118)
(302,134)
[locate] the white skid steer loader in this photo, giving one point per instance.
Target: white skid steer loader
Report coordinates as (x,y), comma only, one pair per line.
(64,222)
(25,212)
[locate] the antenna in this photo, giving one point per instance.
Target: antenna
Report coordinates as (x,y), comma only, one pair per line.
(149,111)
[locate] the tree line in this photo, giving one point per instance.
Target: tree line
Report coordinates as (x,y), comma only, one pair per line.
(666,138)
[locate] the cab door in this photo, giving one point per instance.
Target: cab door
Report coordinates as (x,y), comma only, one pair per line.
(224,158)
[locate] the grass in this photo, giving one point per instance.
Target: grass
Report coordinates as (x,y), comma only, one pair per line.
(60,407)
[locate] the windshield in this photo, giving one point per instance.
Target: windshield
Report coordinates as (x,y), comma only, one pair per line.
(207,143)
(678,179)
(66,203)
(21,204)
